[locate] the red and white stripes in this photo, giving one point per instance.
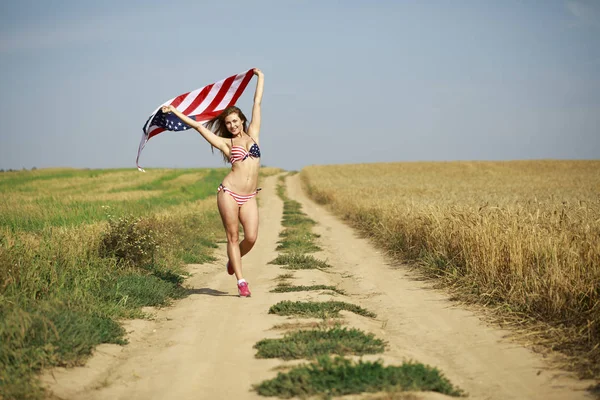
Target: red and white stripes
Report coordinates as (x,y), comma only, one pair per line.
(201,104)
(240,199)
(238,153)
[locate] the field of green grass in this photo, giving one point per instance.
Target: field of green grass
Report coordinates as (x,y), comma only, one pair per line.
(82,249)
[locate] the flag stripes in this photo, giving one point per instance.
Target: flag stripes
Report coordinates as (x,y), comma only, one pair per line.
(201,105)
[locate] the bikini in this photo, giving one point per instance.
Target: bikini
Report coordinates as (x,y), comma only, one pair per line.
(239,153)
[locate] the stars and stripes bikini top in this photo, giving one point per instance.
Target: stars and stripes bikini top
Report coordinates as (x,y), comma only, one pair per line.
(239,153)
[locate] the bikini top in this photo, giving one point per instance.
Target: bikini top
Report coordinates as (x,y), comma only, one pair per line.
(239,153)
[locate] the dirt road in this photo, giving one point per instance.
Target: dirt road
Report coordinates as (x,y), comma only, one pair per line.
(202,346)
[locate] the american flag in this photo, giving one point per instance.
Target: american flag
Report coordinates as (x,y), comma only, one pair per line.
(201,105)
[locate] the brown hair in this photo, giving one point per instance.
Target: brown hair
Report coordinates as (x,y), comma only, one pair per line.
(217,125)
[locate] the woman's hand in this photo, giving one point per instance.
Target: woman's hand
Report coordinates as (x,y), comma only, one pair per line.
(258,72)
(167,109)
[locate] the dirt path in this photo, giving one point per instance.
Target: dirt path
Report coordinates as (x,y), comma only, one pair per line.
(202,347)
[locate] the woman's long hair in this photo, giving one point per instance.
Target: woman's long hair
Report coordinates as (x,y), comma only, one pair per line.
(217,125)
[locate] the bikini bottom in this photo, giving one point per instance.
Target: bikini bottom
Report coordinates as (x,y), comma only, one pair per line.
(241,199)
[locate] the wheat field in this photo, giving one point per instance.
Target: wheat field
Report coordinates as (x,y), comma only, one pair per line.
(520,237)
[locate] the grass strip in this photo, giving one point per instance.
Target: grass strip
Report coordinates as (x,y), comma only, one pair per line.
(310,309)
(312,343)
(299,261)
(294,217)
(337,377)
(284,288)
(297,236)
(285,276)
(298,243)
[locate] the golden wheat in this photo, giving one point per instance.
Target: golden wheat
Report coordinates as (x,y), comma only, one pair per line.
(524,235)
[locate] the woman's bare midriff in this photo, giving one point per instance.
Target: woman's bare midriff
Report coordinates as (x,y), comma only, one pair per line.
(243,178)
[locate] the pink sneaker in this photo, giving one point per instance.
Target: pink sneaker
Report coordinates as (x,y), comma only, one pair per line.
(243,289)
(230,270)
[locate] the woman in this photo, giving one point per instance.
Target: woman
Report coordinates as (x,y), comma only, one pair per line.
(236,195)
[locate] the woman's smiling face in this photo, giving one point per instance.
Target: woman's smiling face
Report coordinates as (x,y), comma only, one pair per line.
(233,123)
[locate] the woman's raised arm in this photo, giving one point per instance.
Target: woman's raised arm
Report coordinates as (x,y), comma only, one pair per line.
(210,137)
(254,128)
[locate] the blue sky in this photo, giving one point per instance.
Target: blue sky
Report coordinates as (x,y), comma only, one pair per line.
(345,81)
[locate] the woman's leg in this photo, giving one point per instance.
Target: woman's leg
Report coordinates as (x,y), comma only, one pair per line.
(249,220)
(229,210)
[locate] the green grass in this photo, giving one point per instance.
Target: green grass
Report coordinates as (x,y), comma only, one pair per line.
(59,318)
(297,237)
(284,288)
(295,218)
(18,180)
(297,245)
(328,377)
(299,261)
(160,183)
(312,343)
(52,210)
(197,251)
(312,309)
(45,334)
(280,188)
(134,291)
(282,277)
(64,285)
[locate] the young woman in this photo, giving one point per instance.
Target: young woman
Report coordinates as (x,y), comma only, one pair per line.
(236,200)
